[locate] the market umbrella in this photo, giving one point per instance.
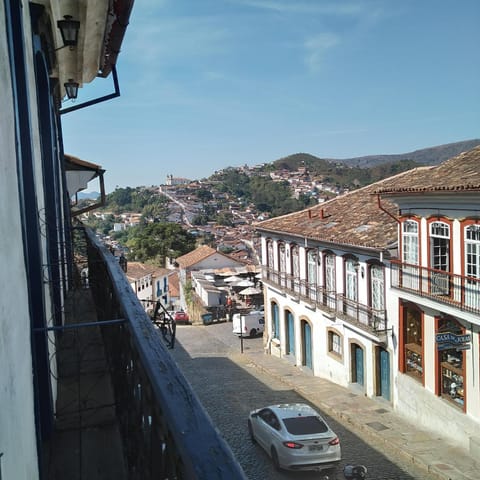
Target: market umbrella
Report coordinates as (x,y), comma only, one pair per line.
(233,278)
(250,291)
(243,283)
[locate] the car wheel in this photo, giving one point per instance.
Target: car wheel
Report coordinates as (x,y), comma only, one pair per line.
(250,432)
(253,332)
(274,454)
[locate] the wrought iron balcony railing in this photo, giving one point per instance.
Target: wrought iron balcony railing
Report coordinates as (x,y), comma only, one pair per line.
(166,432)
(335,303)
(445,287)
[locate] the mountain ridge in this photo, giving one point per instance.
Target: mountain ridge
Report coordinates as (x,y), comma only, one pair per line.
(425,156)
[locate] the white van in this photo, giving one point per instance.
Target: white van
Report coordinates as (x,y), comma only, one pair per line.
(248,324)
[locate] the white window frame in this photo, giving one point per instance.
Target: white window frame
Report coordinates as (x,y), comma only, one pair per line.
(472,266)
(351,279)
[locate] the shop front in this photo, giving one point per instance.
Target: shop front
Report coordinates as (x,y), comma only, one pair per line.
(451,343)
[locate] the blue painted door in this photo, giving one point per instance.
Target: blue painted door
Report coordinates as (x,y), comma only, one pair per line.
(384,374)
(358,365)
(307,344)
(290,346)
(276,323)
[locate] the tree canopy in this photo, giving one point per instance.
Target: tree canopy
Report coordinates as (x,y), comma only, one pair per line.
(156,241)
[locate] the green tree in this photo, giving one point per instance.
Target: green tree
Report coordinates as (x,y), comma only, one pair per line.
(204,195)
(155,241)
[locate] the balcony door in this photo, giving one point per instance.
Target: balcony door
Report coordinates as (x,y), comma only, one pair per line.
(440,258)
(410,255)
(351,288)
(329,275)
(271,272)
(282,264)
(472,266)
(311,274)
(295,268)
(377,296)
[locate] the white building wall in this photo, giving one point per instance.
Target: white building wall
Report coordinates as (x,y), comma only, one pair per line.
(325,365)
(17,422)
(216,261)
(145,294)
(417,401)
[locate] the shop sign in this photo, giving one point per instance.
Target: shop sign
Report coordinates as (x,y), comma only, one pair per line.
(450,340)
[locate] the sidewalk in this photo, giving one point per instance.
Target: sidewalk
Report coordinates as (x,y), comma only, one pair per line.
(375,420)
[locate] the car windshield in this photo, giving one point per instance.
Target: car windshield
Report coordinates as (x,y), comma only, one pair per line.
(305,425)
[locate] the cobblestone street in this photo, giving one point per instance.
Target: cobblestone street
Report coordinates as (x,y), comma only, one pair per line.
(229,386)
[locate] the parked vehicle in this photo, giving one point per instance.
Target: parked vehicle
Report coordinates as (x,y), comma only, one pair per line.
(248,324)
(296,437)
(181,317)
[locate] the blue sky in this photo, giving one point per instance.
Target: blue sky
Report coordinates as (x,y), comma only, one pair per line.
(207,84)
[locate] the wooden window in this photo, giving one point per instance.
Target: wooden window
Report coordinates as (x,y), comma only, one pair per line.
(335,344)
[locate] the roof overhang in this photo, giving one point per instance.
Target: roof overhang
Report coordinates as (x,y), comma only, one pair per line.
(102,27)
(78,174)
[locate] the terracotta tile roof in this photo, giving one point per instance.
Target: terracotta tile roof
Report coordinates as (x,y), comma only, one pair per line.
(195,256)
(138,270)
(460,173)
(353,219)
(174,285)
(161,272)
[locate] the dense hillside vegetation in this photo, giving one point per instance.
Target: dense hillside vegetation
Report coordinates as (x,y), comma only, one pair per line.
(259,190)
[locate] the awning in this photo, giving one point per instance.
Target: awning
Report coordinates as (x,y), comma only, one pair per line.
(78,174)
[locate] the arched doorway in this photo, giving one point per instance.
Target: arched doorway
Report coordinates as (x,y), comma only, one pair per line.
(357,364)
(382,358)
(290,333)
(275,321)
(307,344)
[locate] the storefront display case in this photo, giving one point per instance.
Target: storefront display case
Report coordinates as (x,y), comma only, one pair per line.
(414,359)
(452,376)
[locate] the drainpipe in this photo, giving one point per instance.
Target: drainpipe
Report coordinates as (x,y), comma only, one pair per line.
(386,211)
(389,214)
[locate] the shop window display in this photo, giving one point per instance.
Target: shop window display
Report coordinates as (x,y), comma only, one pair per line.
(452,370)
(413,343)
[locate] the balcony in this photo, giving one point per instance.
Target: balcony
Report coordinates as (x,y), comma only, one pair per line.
(444,287)
(355,313)
(124,410)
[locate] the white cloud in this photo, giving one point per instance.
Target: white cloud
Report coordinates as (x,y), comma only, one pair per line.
(165,40)
(317,46)
(332,8)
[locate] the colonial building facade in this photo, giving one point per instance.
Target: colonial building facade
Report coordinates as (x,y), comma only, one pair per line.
(377,290)
(435,292)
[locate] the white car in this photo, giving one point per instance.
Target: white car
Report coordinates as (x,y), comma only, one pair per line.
(296,437)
